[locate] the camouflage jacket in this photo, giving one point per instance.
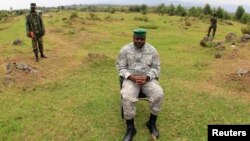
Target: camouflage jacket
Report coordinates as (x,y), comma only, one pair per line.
(213,22)
(133,60)
(34,23)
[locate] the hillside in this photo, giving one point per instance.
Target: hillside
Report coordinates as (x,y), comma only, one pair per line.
(74,94)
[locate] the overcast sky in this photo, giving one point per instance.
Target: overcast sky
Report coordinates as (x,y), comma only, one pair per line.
(20,4)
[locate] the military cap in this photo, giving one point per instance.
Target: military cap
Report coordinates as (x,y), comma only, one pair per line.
(33,5)
(140,32)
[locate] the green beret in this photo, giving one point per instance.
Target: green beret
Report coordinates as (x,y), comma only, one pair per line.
(140,32)
(33,5)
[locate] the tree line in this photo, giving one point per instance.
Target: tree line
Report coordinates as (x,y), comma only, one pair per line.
(240,14)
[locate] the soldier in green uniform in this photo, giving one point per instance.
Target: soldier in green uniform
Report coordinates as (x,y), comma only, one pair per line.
(35,30)
(213,25)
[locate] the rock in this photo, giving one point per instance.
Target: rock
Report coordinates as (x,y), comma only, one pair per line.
(25,67)
(241,72)
(17,42)
(10,67)
(220,48)
(204,41)
(230,36)
(245,38)
(217,54)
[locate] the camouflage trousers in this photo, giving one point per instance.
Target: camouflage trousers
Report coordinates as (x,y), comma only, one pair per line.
(130,92)
(210,29)
(37,44)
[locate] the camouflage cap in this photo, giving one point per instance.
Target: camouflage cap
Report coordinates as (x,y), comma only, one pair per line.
(33,5)
(140,32)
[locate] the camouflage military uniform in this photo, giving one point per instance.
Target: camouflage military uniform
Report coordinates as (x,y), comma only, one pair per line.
(145,60)
(35,24)
(212,26)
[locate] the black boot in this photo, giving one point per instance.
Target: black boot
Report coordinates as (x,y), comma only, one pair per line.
(36,58)
(151,124)
(42,55)
(131,131)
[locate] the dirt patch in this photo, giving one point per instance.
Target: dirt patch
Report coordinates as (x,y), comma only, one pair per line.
(19,73)
(56,30)
(240,83)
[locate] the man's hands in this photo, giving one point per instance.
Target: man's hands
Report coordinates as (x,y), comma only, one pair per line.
(138,79)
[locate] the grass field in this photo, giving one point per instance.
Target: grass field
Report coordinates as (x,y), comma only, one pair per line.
(75,96)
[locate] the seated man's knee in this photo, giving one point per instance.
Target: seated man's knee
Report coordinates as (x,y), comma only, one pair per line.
(128,107)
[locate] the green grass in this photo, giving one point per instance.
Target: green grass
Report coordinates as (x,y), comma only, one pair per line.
(77,99)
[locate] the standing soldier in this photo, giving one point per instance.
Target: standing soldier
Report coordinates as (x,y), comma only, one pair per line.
(35,30)
(139,64)
(213,25)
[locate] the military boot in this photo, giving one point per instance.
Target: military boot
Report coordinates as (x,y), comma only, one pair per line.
(36,58)
(42,55)
(151,124)
(131,131)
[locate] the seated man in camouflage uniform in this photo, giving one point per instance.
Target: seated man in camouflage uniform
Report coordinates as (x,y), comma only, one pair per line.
(213,25)
(138,63)
(35,30)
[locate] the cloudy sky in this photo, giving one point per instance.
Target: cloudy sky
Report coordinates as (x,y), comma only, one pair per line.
(20,4)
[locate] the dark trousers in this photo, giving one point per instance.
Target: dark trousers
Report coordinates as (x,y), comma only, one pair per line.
(37,44)
(210,29)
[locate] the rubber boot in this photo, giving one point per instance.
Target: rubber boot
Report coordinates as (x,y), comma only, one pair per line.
(36,58)
(151,124)
(131,131)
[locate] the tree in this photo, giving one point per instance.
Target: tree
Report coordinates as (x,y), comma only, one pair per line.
(180,11)
(171,10)
(220,13)
(207,9)
(135,8)
(227,16)
(245,18)
(161,9)
(239,12)
(144,9)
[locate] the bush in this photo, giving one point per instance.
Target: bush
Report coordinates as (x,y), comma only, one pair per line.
(108,18)
(245,18)
(73,15)
(3,14)
(187,22)
(246,30)
(144,18)
(94,17)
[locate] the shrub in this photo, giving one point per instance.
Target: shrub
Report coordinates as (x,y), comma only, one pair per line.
(108,18)
(94,17)
(73,15)
(246,30)
(144,18)
(188,23)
